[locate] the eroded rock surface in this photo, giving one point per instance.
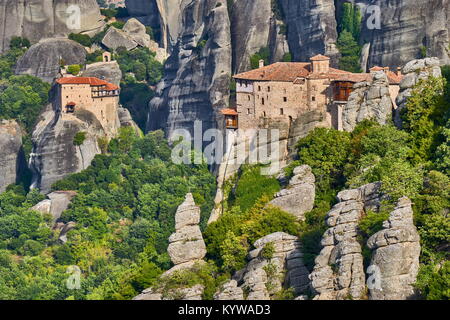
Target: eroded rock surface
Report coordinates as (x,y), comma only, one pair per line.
(414,71)
(299,197)
(39,19)
(44,59)
(109,71)
(56,203)
(265,275)
(369,100)
(338,272)
(187,244)
(11,155)
(396,251)
(197,74)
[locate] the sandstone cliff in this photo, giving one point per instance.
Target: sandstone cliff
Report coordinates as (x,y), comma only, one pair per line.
(39,19)
(11,155)
(54,154)
(254,26)
(197,74)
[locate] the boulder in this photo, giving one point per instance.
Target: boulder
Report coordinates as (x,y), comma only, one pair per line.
(395,255)
(299,197)
(109,71)
(12,158)
(56,203)
(115,38)
(43,60)
(137,32)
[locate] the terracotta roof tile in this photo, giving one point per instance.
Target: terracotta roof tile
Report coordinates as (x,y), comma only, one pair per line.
(93,81)
(229,112)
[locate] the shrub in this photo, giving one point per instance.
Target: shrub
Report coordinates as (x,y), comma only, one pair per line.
(79,138)
(82,39)
(74,69)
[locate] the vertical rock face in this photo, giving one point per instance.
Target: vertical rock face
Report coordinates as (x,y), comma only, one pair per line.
(38,19)
(265,275)
(396,251)
(186,250)
(11,155)
(369,100)
(254,26)
(339,272)
(405,27)
(186,244)
(54,153)
(43,59)
(414,71)
(311,28)
(197,74)
(299,197)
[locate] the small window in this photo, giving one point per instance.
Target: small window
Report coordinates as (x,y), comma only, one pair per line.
(268,89)
(259,88)
(262,101)
(249,98)
(249,111)
(313,98)
(281,111)
(264,114)
(285,91)
(285,99)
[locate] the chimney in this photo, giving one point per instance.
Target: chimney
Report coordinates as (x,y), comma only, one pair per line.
(261,63)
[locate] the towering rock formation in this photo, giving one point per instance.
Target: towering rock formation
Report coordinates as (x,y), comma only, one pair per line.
(369,100)
(405,27)
(109,71)
(44,59)
(414,71)
(271,270)
(298,197)
(396,251)
(39,19)
(255,26)
(197,74)
(186,250)
(311,28)
(339,272)
(186,245)
(11,155)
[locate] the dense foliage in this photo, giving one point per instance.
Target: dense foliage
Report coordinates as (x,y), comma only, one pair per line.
(349,30)
(124,213)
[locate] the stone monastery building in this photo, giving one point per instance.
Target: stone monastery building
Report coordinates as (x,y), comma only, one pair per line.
(95,95)
(285,90)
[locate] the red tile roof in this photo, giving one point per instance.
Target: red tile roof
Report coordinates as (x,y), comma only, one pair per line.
(319,57)
(280,71)
(229,112)
(92,81)
(292,71)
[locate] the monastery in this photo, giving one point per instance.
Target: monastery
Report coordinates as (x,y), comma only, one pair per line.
(285,90)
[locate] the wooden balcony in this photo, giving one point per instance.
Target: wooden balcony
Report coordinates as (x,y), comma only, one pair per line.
(342,91)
